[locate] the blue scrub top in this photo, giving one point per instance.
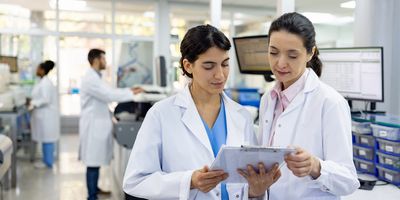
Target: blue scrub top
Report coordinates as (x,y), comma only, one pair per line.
(217,136)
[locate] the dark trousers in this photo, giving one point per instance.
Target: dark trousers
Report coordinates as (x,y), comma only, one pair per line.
(92,178)
(129,197)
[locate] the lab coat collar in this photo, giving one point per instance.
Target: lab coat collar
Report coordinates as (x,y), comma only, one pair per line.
(312,82)
(191,118)
(93,71)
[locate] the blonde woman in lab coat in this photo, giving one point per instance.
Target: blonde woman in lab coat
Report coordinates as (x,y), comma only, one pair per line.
(303,112)
(45,121)
(182,134)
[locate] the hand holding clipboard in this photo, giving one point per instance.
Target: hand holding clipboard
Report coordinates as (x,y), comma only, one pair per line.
(230,159)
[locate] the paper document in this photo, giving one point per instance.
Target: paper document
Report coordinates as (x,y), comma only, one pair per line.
(230,159)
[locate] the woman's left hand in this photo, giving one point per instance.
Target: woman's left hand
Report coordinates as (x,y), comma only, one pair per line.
(302,163)
(260,182)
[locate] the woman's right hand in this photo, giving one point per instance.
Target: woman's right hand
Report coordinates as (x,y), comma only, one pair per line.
(206,180)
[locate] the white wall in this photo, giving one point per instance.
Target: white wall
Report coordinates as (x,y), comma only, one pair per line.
(377,24)
(334,36)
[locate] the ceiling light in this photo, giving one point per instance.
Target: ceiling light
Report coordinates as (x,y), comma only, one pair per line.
(348,4)
(149,14)
(14,10)
(73,5)
(327,18)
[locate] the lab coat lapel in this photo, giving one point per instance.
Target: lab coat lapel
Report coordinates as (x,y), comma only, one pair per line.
(296,103)
(311,83)
(235,122)
(267,118)
(192,120)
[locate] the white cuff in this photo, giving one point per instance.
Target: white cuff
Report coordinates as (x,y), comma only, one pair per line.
(185,185)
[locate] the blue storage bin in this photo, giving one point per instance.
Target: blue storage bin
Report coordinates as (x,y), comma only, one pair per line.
(361,127)
(388,146)
(364,140)
(388,161)
(364,152)
(389,175)
(364,166)
(386,132)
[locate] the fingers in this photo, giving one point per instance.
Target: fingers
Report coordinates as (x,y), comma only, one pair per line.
(300,172)
(277,175)
(205,169)
(261,168)
(251,170)
(299,164)
(205,180)
(205,185)
(212,174)
(298,156)
(243,173)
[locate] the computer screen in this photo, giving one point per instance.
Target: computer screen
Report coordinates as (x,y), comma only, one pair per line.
(251,53)
(161,71)
(11,61)
(356,73)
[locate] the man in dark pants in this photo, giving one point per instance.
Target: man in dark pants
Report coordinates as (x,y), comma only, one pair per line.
(95,124)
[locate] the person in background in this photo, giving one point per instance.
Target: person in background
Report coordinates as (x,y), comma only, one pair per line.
(45,120)
(181,135)
(95,125)
(303,112)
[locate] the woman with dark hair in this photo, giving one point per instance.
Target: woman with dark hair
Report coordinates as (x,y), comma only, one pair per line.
(303,112)
(181,135)
(45,124)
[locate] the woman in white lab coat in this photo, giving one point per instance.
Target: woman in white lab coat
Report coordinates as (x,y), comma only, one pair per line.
(181,135)
(45,122)
(303,112)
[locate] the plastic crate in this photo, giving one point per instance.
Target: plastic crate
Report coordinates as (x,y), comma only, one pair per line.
(388,146)
(389,175)
(361,127)
(364,166)
(364,140)
(363,152)
(388,161)
(390,133)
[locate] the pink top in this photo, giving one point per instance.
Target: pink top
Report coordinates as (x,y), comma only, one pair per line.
(284,98)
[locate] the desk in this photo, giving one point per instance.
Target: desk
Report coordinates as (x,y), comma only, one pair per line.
(6,131)
(10,118)
(387,192)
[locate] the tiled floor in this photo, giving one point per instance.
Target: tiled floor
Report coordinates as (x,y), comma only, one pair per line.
(66,181)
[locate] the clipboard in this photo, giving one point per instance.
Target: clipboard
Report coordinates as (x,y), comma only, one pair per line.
(231,158)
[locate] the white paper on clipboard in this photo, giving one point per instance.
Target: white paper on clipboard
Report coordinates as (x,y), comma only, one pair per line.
(230,159)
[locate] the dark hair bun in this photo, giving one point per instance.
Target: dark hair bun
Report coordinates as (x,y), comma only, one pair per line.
(47,66)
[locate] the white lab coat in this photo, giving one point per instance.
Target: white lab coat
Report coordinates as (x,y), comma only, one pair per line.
(172,142)
(318,120)
(45,121)
(95,125)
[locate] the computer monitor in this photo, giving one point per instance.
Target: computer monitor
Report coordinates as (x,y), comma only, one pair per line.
(356,73)
(11,61)
(161,71)
(251,54)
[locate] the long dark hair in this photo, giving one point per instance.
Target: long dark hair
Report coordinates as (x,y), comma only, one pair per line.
(198,40)
(298,24)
